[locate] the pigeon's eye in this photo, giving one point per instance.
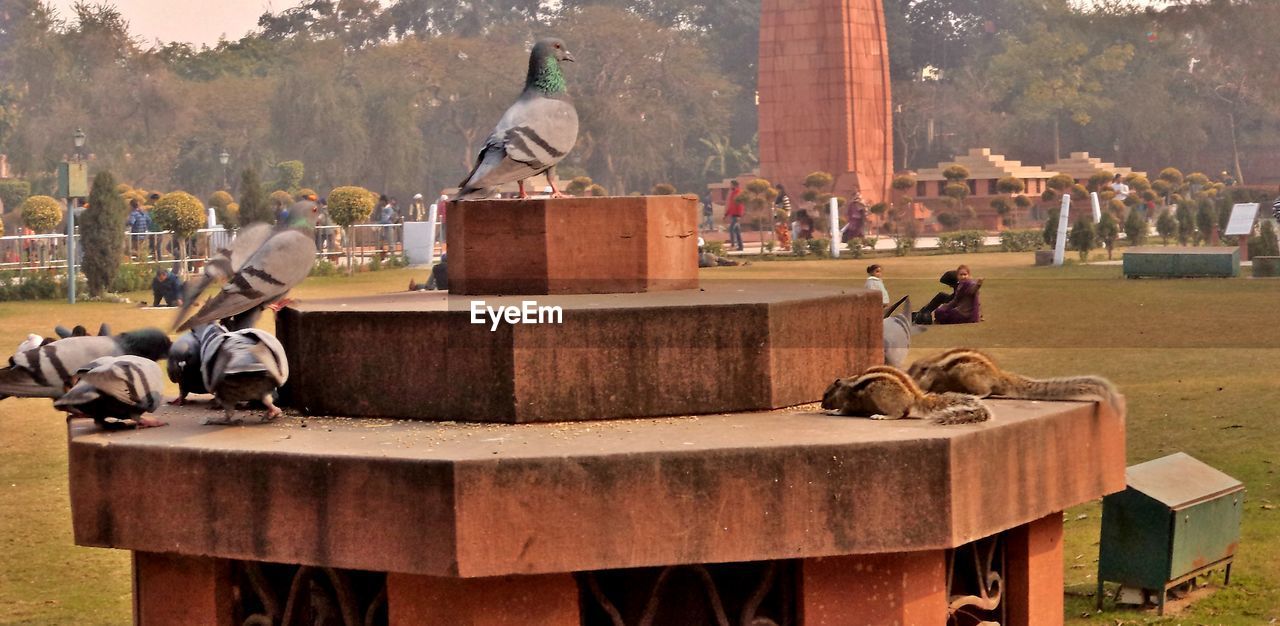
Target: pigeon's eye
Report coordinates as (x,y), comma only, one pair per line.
(557,46)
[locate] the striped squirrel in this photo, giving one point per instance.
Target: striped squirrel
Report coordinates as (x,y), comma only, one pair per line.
(966,370)
(882,392)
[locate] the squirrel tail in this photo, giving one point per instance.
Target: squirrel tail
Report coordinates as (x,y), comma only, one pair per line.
(1073,388)
(954,408)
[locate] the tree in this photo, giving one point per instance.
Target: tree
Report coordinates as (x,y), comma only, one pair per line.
(182,214)
(289,176)
(41,213)
(1166,226)
(1135,229)
(1051,228)
(1052,75)
(1083,237)
(253,203)
(1206,221)
(101,233)
(757,197)
(1108,231)
(1186,222)
(350,205)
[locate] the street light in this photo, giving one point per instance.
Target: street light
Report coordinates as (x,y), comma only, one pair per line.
(78,139)
(225,158)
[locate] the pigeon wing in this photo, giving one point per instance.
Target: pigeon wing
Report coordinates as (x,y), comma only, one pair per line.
(278,265)
(45,372)
(533,136)
(133,380)
(226,262)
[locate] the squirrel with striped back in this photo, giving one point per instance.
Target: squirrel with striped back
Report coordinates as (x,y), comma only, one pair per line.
(884,393)
(966,370)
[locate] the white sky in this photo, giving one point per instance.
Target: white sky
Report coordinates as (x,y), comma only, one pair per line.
(204,21)
(194,21)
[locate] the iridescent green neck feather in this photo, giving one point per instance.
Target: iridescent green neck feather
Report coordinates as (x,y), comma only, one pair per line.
(546,77)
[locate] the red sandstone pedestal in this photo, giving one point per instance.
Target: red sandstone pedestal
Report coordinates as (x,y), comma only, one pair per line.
(573,245)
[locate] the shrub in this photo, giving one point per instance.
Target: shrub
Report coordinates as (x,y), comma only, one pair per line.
(100,230)
(219,200)
(276,200)
(253,202)
(578,186)
(1060,182)
(1108,231)
(1186,223)
(903,182)
(597,191)
(956,173)
(41,213)
(180,212)
(1098,181)
(324,267)
(1135,229)
(714,247)
(350,205)
(13,192)
(1206,220)
(903,243)
(1171,176)
(305,194)
(1078,192)
(1049,195)
(1137,182)
(816,185)
(1197,179)
(1010,185)
(1264,243)
(1021,240)
(30,286)
(820,247)
(1166,226)
(948,220)
(1083,237)
(663,189)
(1051,228)
(131,277)
(961,241)
(1022,202)
(958,191)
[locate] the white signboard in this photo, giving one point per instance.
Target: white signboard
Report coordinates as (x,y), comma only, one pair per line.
(1242,217)
(1097,207)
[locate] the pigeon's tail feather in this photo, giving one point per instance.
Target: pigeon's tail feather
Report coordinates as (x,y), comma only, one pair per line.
(18,382)
(78,395)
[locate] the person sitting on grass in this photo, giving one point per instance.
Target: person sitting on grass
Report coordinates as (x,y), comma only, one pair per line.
(964,307)
(166,286)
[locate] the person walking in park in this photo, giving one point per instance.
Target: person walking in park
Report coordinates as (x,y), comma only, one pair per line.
(139,224)
(708,213)
(856,212)
(733,211)
(417,209)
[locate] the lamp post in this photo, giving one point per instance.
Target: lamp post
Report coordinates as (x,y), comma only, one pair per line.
(225,158)
(77,139)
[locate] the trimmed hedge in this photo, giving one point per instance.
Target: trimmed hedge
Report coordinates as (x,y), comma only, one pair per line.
(961,241)
(1022,240)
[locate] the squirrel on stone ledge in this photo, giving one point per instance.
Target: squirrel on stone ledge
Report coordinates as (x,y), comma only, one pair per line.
(884,393)
(966,370)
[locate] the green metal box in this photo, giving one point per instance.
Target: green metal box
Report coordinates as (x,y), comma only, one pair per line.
(1177,518)
(1175,262)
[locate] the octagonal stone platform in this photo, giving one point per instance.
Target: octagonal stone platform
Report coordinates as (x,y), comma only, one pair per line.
(472,500)
(730,346)
(573,245)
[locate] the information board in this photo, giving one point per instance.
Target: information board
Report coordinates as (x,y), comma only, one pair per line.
(1242,218)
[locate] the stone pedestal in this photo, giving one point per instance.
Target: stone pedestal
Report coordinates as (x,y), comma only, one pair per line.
(731,346)
(1177,262)
(573,245)
(177,589)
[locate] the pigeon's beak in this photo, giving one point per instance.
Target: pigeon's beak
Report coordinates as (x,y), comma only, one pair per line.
(568,56)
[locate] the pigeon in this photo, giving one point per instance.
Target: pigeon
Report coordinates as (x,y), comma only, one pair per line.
(260,267)
(898,329)
(243,365)
(533,135)
(115,391)
(46,372)
(184,362)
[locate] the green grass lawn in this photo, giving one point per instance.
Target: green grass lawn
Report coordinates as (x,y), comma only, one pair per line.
(1197,360)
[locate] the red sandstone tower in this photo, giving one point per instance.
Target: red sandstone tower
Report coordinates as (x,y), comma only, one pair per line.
(824,94)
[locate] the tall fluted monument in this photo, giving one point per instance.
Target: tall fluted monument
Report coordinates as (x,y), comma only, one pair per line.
(824,94)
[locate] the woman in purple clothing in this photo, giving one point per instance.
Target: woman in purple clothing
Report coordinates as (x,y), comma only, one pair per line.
(964,307)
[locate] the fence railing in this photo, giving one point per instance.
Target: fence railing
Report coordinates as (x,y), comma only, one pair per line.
(45,252)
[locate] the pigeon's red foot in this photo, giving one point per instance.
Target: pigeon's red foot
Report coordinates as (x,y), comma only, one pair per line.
(178,402)
(147,422)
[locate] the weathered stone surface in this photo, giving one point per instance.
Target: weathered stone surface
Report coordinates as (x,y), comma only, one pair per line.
(181,589)
(547,600)
(1033,574)
(449,499)
(573,245)
(840,123)
(731,346)
(874,590)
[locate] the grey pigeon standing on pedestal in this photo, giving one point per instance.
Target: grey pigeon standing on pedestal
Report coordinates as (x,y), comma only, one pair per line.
(46,372)
(184,361)
(241,366)
(534,134)
(260,267)
(115,391)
